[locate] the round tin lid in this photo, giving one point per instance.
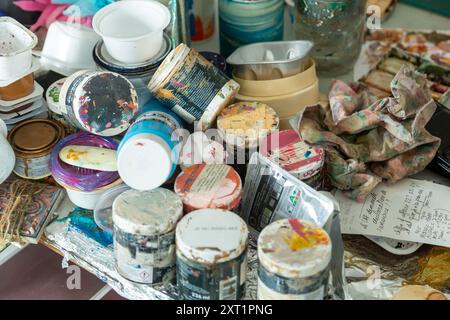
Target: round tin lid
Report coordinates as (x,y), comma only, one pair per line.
(290,152)
(100,102)
(104,60)
(209,186)
(34,136)
(52,95)
(243,124)
(153,212)
(211,236)
(294,248)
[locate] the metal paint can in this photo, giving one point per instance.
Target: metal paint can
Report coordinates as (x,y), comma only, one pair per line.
(192,87)
(294,257)
(54,112)
(148,155)
(33,142)
(100,102)
(202,186)
(211,255)
(144,234)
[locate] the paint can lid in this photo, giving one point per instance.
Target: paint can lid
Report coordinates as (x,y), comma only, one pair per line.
(100,102)
(35,136)
(211,236)
(290,152)
(153,212)
(244,124)
(294,248)
(145,161)
(52,95)
(203,186)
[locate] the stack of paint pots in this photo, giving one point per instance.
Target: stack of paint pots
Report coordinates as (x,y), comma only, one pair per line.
(290,152)
(242,126)
(20,95)
(192,87)
(294,258)
(148,154)
(85,165)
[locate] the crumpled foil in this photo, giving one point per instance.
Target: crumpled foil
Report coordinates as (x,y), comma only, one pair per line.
(368,141)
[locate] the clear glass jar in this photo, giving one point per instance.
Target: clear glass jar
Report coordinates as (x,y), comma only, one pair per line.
(337,30)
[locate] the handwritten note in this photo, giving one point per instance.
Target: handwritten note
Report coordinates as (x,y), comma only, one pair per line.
(410,210)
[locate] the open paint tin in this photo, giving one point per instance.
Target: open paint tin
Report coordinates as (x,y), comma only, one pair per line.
(192,87)
(211,255)
(100,102)
(293,261)
(32,142)
(144,234)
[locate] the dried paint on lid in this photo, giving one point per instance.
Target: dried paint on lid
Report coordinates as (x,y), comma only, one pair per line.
(35,136)
(294,248)
(209,186)
(290,152)
(243,124)
(152,212)
(52,95)
(211,236)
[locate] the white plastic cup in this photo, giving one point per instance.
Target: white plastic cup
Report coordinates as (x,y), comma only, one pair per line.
(132,30)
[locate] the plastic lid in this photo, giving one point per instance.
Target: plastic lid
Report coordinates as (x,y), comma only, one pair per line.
(52,95)
(153,212)
(35,135)
(211,236)
(243,124)
(103,208)
(209,186)
(293,248)
(145,162)
(289,151)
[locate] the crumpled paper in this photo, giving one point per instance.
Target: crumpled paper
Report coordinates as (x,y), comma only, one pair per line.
(369,140)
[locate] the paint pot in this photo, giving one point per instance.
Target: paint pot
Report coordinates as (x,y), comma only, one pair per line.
(7,156)
(54,111)
(211,255)
(147,156)
(68,47)
(202,16)
(88,199)
(192,87)
(18,89)
(139,74)
(100,102)
(204,186)
(16,44)
(294,155)
(103,208)
(144,234)
(132,30)
(244,124)
(249,21)
(293,261)
(33,141)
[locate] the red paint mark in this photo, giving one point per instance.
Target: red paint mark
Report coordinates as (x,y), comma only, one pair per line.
(140,144)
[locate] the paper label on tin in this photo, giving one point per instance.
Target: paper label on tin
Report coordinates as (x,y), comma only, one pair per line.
(192,88)
(34,168)
(145,259)
(228,289)
(410,210)
(272,194)
(210,178)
